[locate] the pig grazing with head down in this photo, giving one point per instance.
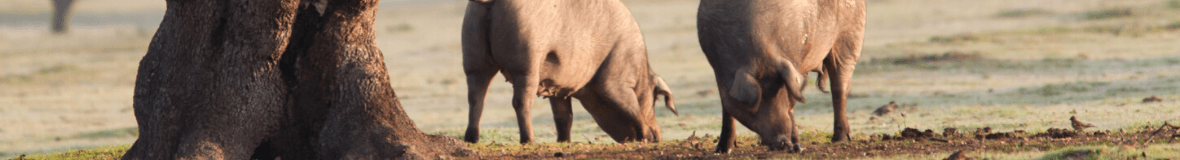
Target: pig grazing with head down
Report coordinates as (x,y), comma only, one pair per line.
(761,50)
(586,49)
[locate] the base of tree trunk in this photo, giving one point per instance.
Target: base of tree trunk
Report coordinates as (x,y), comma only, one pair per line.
(243,79)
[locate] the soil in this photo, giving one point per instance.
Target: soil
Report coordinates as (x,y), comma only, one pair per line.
(1152,99)
(958,155)
(950,56)
(910,141)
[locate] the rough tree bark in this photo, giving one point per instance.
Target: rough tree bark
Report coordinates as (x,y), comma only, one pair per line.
(243,79)
(61,14)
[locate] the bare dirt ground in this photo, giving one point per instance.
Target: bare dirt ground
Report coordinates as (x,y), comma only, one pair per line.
(909,144)
(966,64)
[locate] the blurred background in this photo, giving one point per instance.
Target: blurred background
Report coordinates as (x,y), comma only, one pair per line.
(1005,64)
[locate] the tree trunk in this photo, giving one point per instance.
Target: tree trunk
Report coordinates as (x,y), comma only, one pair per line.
(242,79)
(61,15)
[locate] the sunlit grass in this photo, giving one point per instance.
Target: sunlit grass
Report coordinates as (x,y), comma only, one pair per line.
(78,87)
(100,153)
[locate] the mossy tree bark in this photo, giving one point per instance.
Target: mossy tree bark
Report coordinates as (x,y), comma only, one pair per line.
(242,79)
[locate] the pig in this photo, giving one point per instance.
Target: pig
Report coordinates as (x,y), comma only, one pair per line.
(761,51)
(591,50)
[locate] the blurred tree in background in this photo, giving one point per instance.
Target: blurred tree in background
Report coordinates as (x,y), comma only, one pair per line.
(61,14)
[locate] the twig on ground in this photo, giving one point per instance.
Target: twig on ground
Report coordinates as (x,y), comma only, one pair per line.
(587,139)
(1163,128)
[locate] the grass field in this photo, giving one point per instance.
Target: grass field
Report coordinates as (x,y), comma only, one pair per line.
(1004,64)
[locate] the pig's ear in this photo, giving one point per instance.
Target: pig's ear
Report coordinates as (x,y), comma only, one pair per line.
(662,89)
(745,87)
(792,78)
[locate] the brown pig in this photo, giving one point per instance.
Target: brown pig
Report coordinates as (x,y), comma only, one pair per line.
(761,50)
(591,50)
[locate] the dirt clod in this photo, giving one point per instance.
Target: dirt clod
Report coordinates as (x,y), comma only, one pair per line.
(1057,133)
(958,155)
(1152,99)
(983,131)
(1001,135)
(911,133)
(1099,133)
(948,132)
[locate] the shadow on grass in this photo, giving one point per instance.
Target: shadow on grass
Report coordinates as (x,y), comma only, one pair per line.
(948,64)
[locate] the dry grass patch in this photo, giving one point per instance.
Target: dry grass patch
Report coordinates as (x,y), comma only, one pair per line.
(1022,12)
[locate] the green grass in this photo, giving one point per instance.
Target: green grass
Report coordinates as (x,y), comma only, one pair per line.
(1000,59)
(1109,152)
(114,133)
(1020,13)
(1060,89)
(1117,29)
(101,153)
(1098,152)
(1108,13)
(400,28)
(959,38)
(57,68)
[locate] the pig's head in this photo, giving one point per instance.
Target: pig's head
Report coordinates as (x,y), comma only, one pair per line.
(625,124)
(761,96)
